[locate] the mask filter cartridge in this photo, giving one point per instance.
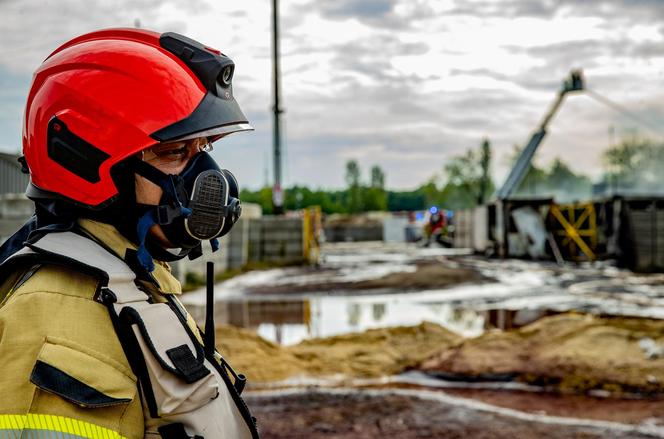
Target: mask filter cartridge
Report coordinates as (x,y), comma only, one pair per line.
(209,195)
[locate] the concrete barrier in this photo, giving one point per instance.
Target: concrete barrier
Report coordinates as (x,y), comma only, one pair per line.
(278,240)
(15,210)
(254,239)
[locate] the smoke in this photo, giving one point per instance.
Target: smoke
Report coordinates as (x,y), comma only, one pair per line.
(633,167)
(557,181)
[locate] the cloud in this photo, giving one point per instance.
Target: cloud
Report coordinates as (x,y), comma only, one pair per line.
(367,9)
(610,10)
(405,84)
(384,14)
(33,29)
(506,8)
(13,94)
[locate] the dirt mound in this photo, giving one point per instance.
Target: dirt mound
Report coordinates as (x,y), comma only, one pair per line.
(373,353)
(571,352)
(376,352)
(257,358)
(574,352)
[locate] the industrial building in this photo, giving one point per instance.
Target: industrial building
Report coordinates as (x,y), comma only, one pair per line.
(627,226)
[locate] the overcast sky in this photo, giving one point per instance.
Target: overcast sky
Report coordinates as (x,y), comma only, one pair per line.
(404,84)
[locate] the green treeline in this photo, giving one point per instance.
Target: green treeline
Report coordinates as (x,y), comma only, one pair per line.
(632,165)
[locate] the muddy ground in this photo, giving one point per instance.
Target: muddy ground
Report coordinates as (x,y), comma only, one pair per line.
(359,415)
(424,276)
(625,410)
(593,366)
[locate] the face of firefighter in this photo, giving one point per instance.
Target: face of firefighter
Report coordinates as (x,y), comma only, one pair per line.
(170,158)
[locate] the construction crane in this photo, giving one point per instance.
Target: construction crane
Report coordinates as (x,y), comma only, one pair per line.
(574,83)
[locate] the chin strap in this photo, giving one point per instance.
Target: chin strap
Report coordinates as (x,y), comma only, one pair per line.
(142,229)
(161,214)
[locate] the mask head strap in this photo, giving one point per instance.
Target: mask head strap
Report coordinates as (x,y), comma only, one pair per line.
(165,213)
(161,214)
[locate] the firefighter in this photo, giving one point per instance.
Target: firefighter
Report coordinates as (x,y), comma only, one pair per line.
(117,132)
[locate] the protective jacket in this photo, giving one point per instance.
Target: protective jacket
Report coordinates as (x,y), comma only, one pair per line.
(65,370)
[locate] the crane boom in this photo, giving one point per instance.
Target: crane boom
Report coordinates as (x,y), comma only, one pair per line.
(573,83)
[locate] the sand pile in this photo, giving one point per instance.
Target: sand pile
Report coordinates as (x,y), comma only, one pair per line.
(575,352)
(373,353)
(571,351)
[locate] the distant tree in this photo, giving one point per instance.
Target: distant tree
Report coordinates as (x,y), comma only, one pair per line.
(624,159)
(468,178)
(431,192)
(352,173)
(262,197)
(353,182)
(406,200)
(374,197)
(377,177)
(485,166)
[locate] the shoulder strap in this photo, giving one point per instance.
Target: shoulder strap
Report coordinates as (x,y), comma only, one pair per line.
(76,251)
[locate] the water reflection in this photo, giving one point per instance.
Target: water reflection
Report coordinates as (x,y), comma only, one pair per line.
(291,321)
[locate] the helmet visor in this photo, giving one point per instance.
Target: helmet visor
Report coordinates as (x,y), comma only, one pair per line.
(214,117)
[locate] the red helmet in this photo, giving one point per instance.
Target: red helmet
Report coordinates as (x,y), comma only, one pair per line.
(104,96)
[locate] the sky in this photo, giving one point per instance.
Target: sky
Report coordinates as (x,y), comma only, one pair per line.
(402,84)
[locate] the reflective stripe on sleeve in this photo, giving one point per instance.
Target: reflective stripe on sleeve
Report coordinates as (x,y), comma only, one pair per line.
(49,426)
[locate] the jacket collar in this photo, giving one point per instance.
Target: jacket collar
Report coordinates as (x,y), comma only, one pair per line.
(160,279)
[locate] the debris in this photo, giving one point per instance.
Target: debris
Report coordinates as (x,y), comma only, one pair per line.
(532,231)
(651,349)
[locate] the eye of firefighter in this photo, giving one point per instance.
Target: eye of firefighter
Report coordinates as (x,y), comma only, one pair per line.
(172,150)
(178,151)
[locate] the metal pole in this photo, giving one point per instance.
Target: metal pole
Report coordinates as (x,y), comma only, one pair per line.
(277,195)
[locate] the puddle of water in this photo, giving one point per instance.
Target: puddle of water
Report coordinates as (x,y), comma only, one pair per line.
(292,321)
(521,292)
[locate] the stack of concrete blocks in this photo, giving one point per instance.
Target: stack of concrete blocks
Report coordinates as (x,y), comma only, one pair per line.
(15,210)
(277,240)
(471,228)
(394,228)
(354,228)
(463,228)
(644,236)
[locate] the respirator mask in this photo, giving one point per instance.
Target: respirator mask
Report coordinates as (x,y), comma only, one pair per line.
(201,203)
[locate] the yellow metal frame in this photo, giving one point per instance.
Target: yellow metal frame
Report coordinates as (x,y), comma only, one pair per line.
(573,231)
(312,227)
